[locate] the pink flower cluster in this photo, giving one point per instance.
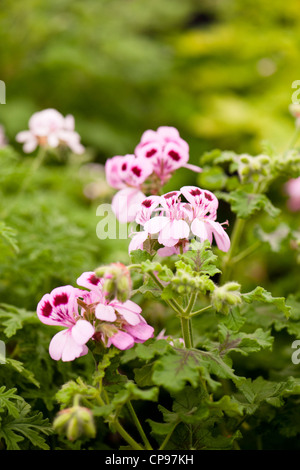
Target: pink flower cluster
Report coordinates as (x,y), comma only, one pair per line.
(155,159)
(88,315)
(50,128)
(173,221)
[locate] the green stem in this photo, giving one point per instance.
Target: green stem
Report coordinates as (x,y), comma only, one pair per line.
(139,426)
(197,312)
(167,438)
(235,240)
(127,437)
(172,303)
(186,332)
(246,252)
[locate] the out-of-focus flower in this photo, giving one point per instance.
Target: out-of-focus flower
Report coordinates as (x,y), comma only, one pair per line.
(292,188)
(89,315)
(156,157)
(171,340)
(3,139)
(117,283)
(172,221)
(166,150)
(49,128)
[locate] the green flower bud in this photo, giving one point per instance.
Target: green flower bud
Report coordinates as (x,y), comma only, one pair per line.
(75,422)
(225,297)
(117,281)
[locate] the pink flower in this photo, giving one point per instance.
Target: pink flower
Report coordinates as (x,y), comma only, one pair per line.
(204,206)
(166,150)
(147,208)
(156,158)
(60,308)
(292,188)
(88,315)
(173,223)
(50,128)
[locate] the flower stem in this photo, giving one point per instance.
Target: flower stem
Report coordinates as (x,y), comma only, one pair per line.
(197,312)
(167,438)
(139,426)
(127,436)
(235,240)
(171,302)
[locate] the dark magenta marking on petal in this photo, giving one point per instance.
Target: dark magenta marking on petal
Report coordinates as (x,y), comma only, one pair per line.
(94,280)
(168,195)
(195,192)
(150,153)
(46,309)
(136,170)
(60,299)
(147,203)
(208,196)
(174,155)
(124,167)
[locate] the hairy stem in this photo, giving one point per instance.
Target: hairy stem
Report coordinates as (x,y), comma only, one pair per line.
(139,426)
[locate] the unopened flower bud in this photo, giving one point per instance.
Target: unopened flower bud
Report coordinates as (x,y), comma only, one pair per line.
(225,297)
(75,422)
(117,281)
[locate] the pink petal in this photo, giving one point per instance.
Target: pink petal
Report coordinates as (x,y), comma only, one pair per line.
(105,313)
(221,237)
(198,227)
(82,332)
(90,281)
(137,241)
(122,340)
(191,167)
(126,204)
(63,346)
(142,331)
(156,224)
(179,229)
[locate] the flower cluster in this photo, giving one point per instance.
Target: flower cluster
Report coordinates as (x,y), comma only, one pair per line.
(155,159)
(50,128)
(89,315)
(173,221)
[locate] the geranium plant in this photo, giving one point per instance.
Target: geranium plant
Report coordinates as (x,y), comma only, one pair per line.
(172,333)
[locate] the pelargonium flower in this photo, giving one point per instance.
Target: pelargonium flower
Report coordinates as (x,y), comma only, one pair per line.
(292,188)
(173,221)
(60,308)
(50,128)
(166,150)
(204,206)
(156,158)
(86,314)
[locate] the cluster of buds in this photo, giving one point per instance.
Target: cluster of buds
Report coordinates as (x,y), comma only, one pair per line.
(225,297)
(49,128)
(253,169)
(173,221)
(91,314)
(75,422)
(155,159)
(117,283)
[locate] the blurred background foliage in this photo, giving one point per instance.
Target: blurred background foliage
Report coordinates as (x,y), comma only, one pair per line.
(219,70)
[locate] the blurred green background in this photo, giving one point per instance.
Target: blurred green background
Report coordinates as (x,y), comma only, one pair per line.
(219,70)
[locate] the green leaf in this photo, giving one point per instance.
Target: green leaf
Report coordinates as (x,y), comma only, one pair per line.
(139,256)
(14,318)
(8,401)
(132,392)
(244,343)
(259,294)
(27,425)
(245,204)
